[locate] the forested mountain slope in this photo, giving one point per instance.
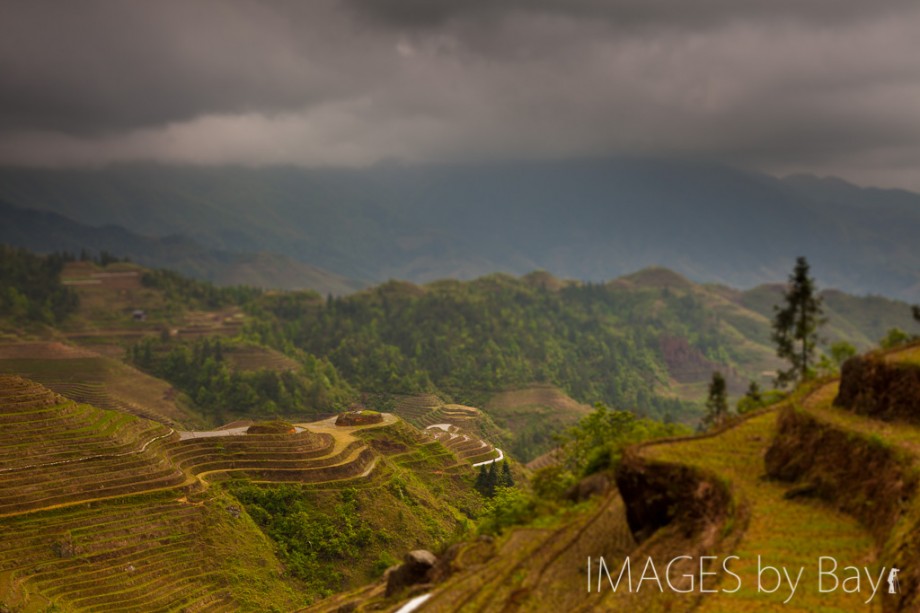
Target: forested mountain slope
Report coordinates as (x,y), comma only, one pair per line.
(646,342)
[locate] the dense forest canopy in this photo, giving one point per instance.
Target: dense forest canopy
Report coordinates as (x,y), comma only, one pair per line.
(640,343)
(31,289)
(200,369)
(597,342)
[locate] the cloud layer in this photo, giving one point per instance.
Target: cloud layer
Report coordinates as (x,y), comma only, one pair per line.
(826,86)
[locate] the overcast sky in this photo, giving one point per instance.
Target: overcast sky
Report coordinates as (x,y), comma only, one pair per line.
(823,86)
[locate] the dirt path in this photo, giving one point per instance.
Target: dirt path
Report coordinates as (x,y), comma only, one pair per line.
(501,456)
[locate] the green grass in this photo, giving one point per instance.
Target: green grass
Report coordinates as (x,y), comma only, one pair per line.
(902,435)
(408,503)
(187,551)
(792,533)
(197,546)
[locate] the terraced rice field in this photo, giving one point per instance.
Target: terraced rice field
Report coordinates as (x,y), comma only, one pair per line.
(102,382)
(54,451)
(139,554)
(536,569)
(465,446)
(415,408)
(453,425)
(104,510)
(533,569)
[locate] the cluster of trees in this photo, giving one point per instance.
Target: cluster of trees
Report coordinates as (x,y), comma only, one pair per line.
(311,542)
(597,342)
(598,440)
(103,258)
(795,333)
(198,294)
(488,480)
(31,289)
(201,370)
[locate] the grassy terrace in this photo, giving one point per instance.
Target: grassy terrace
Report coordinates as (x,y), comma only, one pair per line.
(902,435)
(104,510)
(102,382)
(414,408)
(465,446)
(909,355)
(534,569)
(142,553)
(55,452)
(792,533)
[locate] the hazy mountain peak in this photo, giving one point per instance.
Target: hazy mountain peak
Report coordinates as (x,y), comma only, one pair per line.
(658,277)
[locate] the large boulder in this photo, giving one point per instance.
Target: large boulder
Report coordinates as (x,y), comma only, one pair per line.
(414,570)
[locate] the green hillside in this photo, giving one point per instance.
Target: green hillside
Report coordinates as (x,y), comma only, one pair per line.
(646,342)
(113,488)
(101,509)
(823,485)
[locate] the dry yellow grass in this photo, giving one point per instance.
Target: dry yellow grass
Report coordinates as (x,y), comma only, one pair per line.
(104,382)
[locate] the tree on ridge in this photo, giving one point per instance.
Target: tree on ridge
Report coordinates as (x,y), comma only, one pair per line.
(795,325)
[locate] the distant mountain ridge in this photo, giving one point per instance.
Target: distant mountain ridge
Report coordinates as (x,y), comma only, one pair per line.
(591,219)
(45,232)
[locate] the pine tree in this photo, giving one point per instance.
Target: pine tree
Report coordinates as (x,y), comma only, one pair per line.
(482,480)
(795,326)
(491,480)
(916,310)
(717,403)
(506,479)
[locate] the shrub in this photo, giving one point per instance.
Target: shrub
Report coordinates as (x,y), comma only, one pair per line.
(895,338)
(508,507)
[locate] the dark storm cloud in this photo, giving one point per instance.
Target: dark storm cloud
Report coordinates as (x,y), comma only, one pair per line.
(625,13)
(817,85)
(98,65)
